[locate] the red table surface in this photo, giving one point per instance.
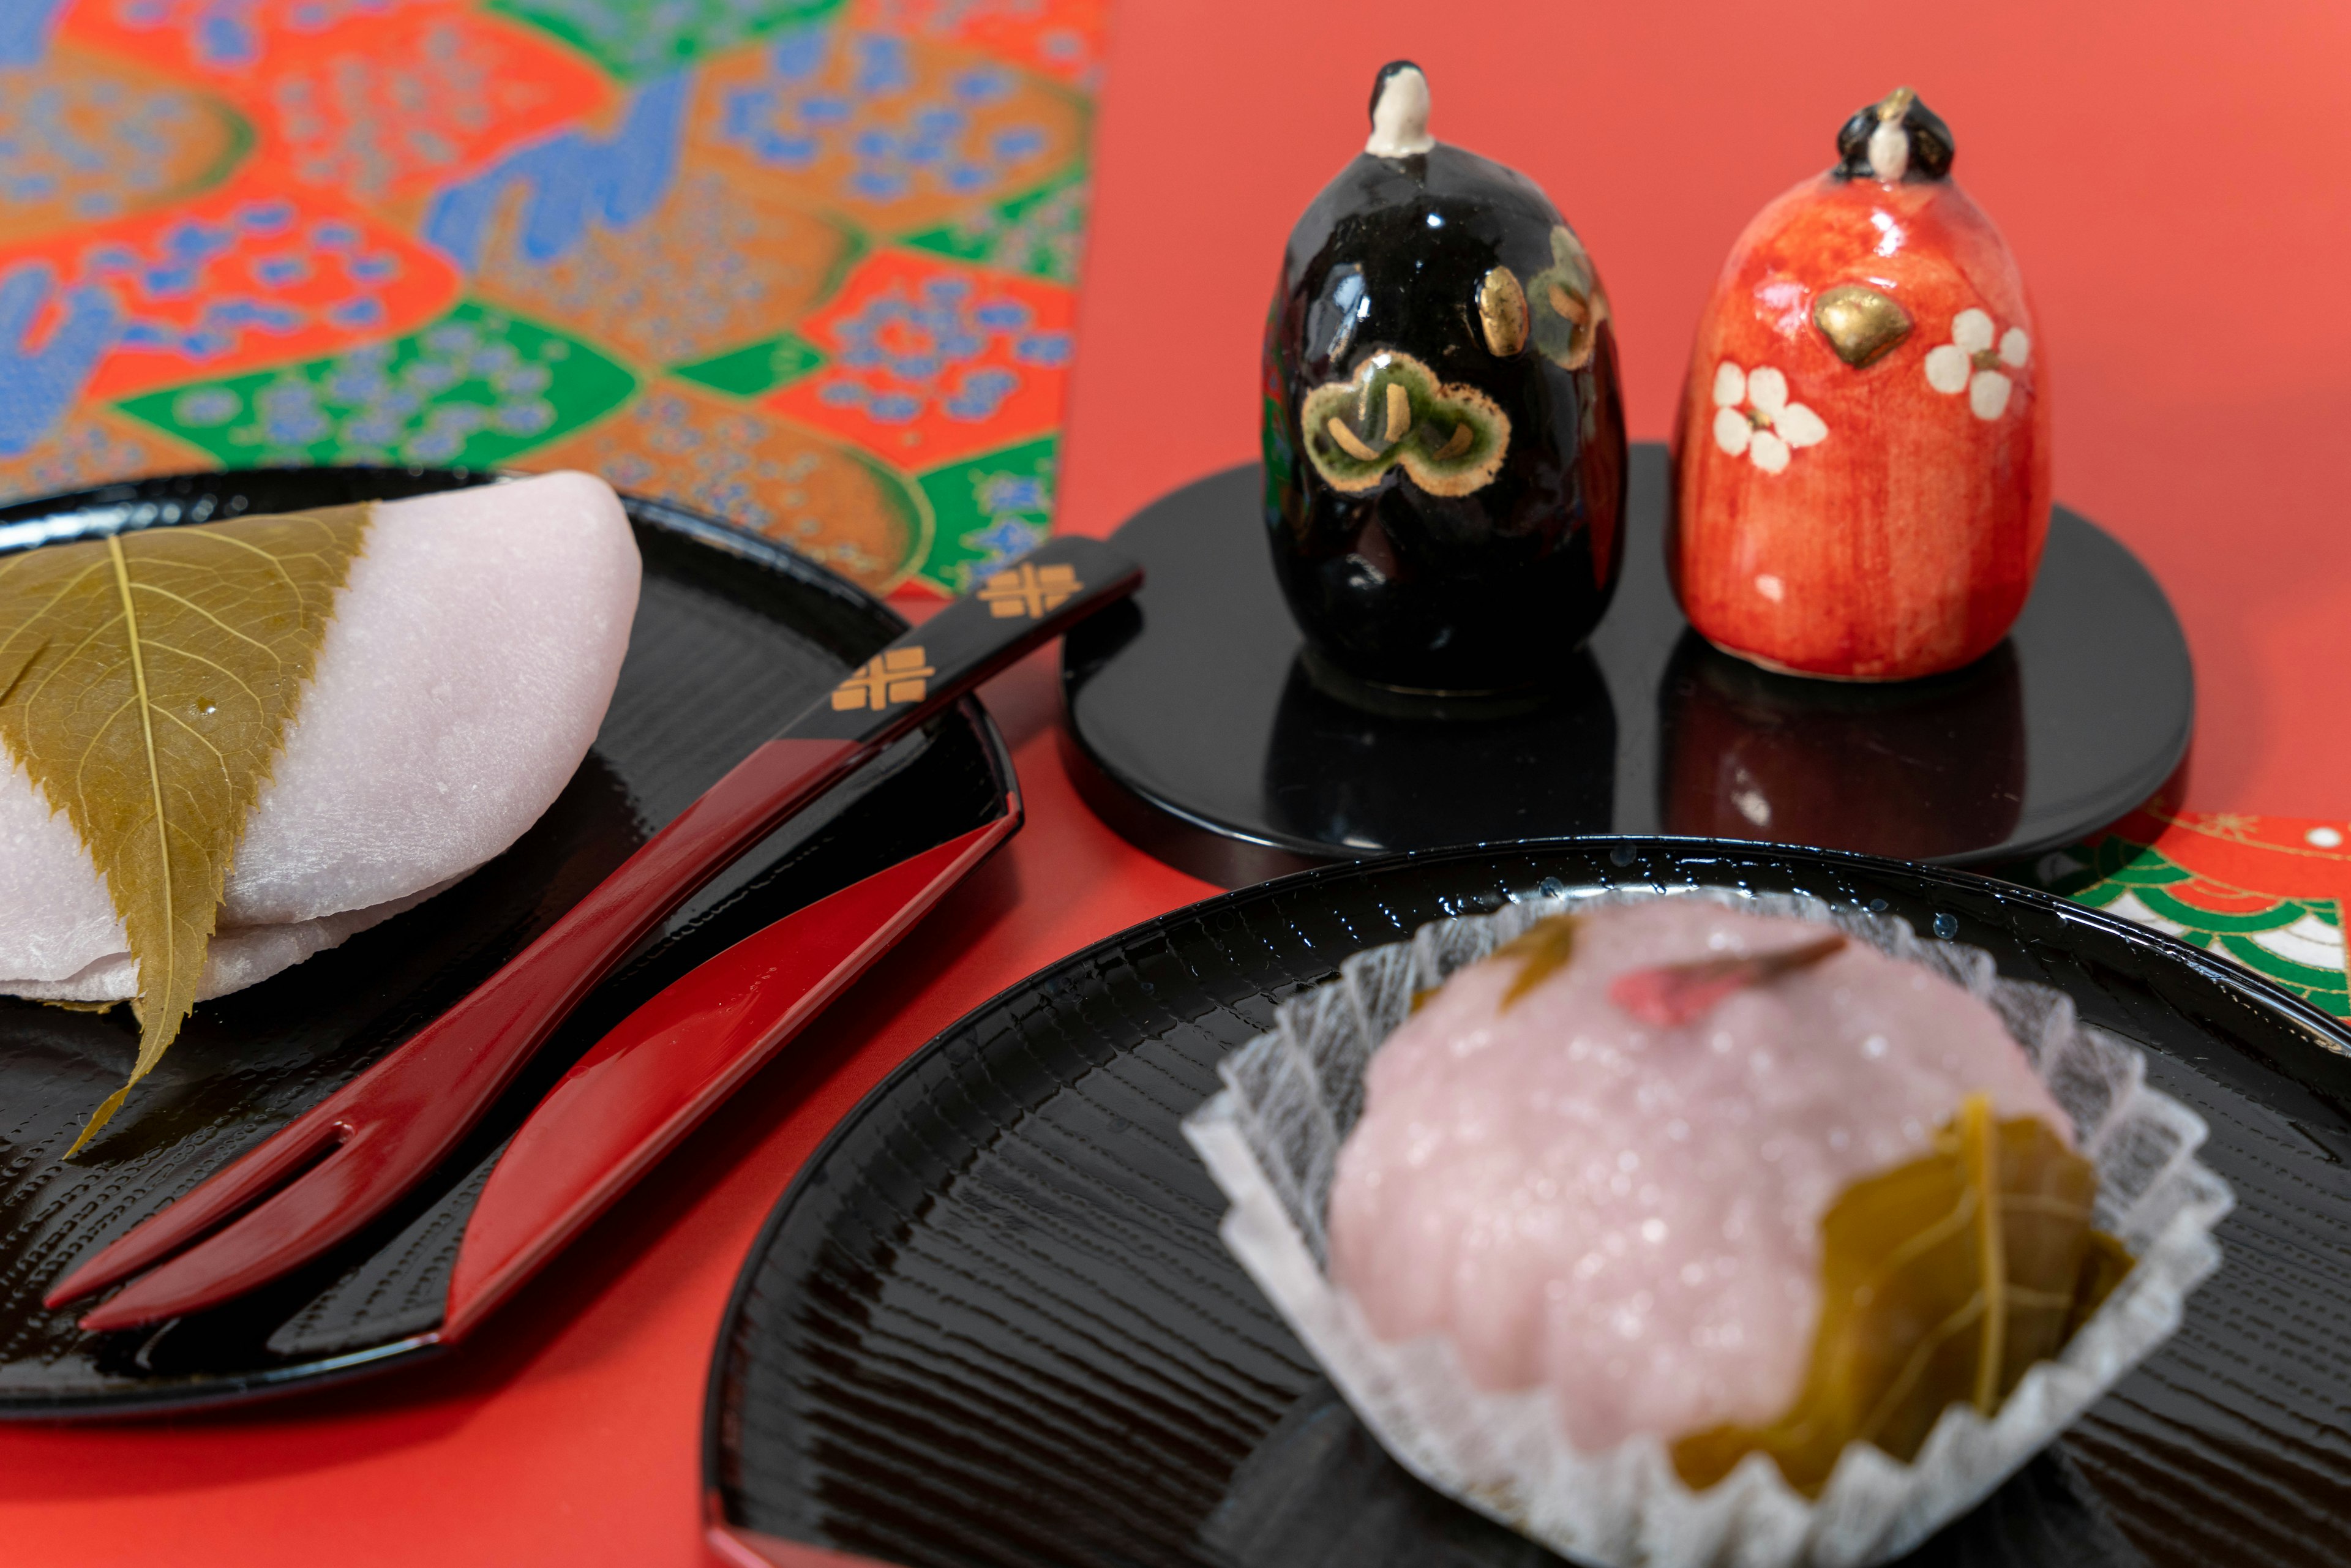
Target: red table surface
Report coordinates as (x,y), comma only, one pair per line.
(2173,178)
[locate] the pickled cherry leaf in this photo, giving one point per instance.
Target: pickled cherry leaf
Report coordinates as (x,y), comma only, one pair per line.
(147,681)
(2103,1263)
(1542,950)
(1943,1280)
(14,662)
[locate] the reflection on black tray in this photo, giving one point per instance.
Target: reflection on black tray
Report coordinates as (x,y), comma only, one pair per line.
(993,1323)
(1915,769)
(1348,764)
(1196,731)
(733,636)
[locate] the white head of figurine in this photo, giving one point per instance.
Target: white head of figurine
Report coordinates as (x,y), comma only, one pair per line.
(1399,112)
(1889,143)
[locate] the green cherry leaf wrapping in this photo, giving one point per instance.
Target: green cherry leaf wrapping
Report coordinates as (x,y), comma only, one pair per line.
(1568,303)
(147,681)
(1394,412)
(1541,951)
(1943,1280)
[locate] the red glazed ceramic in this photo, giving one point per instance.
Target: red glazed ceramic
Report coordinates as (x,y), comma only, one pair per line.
(1861,462)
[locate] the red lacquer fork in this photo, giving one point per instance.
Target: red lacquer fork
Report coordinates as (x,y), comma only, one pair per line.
(664,1068)
(340,1164)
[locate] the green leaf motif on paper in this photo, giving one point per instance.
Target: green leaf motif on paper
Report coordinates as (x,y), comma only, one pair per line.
(473,390)
(990,509)
(638,38)
(1041,234)
(2074,870)
(2295,943)
(756,369)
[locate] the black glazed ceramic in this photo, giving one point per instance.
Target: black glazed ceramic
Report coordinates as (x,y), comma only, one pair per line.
(1930,150)
(1443,443)
(991,1323)
(733,635)
(1201,730)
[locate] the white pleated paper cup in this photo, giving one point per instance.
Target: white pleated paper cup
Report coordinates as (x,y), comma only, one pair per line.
(1272,1141)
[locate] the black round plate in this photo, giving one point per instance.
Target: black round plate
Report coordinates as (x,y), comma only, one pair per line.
(734,636)
(1206,736)
(991,1322)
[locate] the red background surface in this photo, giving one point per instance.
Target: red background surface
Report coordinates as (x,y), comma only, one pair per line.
(2176,180)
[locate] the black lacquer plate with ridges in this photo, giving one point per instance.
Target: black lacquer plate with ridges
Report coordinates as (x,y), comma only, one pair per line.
(992,1324)
(733,635)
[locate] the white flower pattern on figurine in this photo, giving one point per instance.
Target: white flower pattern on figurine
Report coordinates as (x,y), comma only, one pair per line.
(1770,427)
(1969,363)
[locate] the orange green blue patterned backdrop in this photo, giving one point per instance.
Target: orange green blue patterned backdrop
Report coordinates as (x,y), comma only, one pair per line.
(808,265)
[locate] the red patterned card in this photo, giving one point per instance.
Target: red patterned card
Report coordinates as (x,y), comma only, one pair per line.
(2267,893)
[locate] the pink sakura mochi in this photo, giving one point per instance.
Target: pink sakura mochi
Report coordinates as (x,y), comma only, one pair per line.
(474,651)
(1628,1212)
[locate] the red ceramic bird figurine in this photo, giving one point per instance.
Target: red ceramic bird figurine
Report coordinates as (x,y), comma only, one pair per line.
(1861,462)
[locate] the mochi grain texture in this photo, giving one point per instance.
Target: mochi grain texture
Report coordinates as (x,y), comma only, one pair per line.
(1630,1215)
(473,653)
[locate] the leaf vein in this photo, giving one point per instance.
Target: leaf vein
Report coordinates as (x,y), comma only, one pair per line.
(198,609)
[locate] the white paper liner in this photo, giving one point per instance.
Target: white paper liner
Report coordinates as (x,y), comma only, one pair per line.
(1271,1140)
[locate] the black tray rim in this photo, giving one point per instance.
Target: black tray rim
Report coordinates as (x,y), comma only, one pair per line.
(2327,1039)
(139,503)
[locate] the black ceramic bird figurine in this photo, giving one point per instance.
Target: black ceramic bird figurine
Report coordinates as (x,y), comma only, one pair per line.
(1443,436)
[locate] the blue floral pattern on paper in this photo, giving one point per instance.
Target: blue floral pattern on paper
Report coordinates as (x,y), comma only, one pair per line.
(795,118)
(39,381)
(926,341)
(572,181)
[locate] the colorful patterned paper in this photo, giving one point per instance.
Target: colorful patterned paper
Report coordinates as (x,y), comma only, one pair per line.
(2266,893)
(805,264)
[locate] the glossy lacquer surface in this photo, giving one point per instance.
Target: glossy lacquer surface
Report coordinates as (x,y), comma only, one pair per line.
(353,1156)
(734,636)
(1862,481)
(643,1087)
(1443,439)
(1207,734)
(992,1323)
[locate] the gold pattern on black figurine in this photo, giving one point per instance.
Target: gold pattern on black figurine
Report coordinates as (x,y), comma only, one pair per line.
(1442,435)
(1502,312)
(1448,437)
(1570,303)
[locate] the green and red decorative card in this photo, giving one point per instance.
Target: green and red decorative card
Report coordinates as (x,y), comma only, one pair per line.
(2266,892)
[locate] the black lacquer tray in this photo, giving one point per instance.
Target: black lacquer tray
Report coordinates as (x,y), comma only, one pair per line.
(1205,734)
(991,1322)
(733,636)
